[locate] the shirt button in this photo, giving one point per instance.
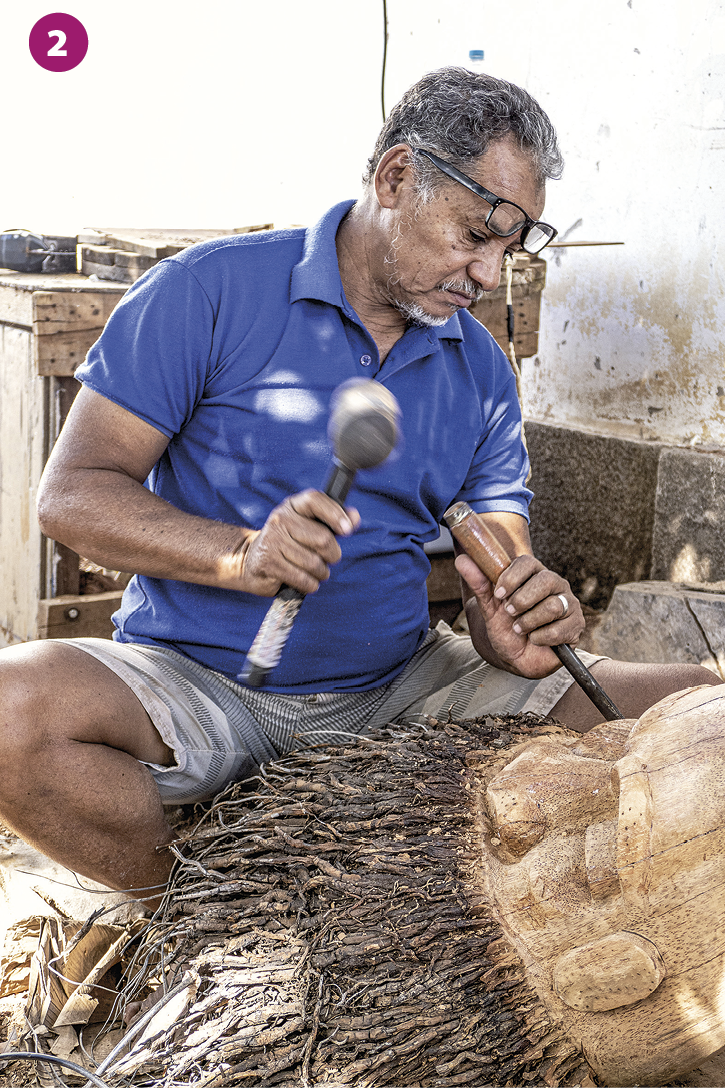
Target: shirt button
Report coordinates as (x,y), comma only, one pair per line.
(366,360)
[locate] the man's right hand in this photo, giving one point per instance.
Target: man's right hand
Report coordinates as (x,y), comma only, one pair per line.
(93,499)
(295,547)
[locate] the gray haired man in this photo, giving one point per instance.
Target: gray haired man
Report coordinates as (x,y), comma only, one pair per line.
(193,457)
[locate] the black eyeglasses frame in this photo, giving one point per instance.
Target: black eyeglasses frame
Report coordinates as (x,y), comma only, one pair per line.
(491,198)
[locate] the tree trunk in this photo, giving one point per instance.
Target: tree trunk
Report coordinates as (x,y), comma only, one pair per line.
(331,928)
(479,902)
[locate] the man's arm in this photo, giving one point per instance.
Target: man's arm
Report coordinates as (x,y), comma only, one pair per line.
(514,622)
(93,500)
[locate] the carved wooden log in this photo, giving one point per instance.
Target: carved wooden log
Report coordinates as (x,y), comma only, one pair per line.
(471,903)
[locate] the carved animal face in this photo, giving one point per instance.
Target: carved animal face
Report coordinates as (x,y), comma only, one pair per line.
(607,864)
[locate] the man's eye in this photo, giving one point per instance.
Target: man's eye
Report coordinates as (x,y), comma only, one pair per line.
(477,238)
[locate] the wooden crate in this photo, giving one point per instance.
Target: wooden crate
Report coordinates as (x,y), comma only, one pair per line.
(123,254)
(47,324)
(529,278)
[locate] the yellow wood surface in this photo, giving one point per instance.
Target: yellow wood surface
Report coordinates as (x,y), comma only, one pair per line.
(620,834)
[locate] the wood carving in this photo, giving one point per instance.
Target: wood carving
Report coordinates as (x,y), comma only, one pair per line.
(492,902)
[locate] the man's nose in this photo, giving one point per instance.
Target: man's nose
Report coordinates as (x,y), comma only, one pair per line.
(486,271)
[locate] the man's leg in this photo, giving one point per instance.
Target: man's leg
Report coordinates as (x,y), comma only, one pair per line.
(71,737)
(632,687)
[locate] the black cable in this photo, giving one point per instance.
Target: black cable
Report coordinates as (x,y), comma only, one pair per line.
(385,56)
(22,1055)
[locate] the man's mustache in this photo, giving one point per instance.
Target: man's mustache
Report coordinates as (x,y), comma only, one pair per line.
(473,290)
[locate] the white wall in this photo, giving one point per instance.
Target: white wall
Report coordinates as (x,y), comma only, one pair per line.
(234,112)
(189,114)
(633,335)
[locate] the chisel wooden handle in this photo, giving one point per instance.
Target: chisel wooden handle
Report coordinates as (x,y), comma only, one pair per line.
(489,555)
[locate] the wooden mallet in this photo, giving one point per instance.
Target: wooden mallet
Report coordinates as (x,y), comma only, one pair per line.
(489,555)
(363,428)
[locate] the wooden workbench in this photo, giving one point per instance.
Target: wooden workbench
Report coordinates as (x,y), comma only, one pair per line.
(47,324)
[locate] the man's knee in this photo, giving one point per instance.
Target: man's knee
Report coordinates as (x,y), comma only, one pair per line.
(632,686)
(636,686)
(47,699)
(690,676)
(24,701)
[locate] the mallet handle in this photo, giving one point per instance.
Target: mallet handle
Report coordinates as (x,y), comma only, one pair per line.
(271,638)
(489,555)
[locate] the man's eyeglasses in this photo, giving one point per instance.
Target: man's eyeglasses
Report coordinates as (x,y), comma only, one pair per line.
(505,217)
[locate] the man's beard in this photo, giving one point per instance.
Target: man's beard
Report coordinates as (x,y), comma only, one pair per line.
(414,313)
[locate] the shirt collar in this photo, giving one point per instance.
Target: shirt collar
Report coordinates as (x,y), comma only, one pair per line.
(317,276)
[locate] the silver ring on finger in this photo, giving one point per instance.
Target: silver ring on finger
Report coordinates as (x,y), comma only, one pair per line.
(565,603)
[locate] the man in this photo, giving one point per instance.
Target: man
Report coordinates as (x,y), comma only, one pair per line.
(212,383)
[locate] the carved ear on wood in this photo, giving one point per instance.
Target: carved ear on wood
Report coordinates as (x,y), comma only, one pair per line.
(609,973)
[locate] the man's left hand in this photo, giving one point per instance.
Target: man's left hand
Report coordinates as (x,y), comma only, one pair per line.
(514,623)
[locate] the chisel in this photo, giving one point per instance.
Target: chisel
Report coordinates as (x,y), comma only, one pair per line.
(489,555)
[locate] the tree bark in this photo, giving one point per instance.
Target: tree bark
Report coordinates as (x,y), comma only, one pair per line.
(331,928)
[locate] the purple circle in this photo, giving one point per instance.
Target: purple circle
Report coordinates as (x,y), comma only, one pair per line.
(58,42)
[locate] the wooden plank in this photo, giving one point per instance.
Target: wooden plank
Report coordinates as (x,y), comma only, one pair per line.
(158,243)
(491,312)
(256,228)
(98,254)
(62,573)
(23,429)
(105,255)
(16,306)
(61,353)
(137,262)
(66,576)
(114,264)
(110,272)
(528,281)
(17,288)
(78,616)
(65,311)
(36,391)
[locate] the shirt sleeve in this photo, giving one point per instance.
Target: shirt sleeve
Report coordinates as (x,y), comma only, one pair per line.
(496,480)
(153,354)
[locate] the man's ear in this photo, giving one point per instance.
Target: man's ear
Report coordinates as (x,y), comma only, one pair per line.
(394,176)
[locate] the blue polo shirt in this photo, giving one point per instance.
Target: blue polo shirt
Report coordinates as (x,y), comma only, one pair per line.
(232,349)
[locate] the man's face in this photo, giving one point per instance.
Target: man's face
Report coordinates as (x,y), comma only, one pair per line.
(442,257)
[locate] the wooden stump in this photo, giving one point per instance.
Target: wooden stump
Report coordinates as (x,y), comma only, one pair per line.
(329,929)
(492,902)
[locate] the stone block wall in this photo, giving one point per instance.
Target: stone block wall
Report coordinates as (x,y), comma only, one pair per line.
(593,512)
(609,511)
(688,542)
(663,621)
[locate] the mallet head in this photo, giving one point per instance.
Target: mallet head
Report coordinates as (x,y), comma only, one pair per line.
(364,423)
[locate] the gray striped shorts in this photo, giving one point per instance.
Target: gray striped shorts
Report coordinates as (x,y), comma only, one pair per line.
(221,731)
